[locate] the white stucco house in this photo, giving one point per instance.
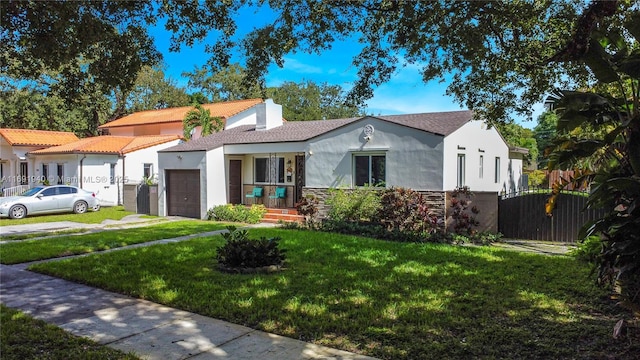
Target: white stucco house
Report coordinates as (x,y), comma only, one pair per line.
(16,169)
(431,152)
(103,164)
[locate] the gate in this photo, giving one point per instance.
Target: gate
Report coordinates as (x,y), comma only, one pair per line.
(142,198)
(522,216)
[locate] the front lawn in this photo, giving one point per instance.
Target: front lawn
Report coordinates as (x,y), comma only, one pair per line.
(31,250)
(23,337)
(383,299)
(90,217)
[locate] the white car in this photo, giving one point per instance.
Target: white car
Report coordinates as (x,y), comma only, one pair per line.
(47,200)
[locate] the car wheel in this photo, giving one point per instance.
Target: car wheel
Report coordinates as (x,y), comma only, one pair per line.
(17,212)
(80,207)
(96,208)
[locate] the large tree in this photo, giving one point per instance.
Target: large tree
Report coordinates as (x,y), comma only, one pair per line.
(153,90)
(502,55)
(310,101)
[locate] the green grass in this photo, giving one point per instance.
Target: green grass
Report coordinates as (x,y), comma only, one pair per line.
(23,337)
(31,250)
(90,217)
(383,299)
(41,234)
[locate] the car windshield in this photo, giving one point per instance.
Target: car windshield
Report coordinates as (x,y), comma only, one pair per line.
(32,191)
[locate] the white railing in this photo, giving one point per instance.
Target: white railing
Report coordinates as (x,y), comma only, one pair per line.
(15,190)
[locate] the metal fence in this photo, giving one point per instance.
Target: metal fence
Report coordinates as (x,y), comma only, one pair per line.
(521,215)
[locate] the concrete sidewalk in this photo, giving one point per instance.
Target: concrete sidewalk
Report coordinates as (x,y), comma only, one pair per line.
(127,221)
(150,330)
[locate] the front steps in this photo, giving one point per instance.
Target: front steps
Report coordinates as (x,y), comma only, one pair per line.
(275,215)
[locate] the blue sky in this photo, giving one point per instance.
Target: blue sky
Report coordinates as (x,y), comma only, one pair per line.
(405,93)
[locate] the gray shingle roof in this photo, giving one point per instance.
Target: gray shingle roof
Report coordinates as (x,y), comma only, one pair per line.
(442,123)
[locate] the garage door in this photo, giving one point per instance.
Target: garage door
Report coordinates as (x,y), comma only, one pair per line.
(183,193)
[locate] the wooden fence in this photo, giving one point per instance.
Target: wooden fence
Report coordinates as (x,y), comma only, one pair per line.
(522,216)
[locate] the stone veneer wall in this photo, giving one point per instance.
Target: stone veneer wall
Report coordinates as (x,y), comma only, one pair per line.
(435,199)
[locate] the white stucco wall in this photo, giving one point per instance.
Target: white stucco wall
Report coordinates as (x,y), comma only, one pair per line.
(134,161)
(215,180)
(473,140)
(11,157)
(413,157)
(194,160)
(247,117)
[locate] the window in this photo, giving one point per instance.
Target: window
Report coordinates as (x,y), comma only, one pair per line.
(112,174)
(45,172)
(269,170)
(147,172)
(497,174)
(50,191)
(24,174)
(65,190)
(370,170)
(481,175)
(60,169)
(461,170)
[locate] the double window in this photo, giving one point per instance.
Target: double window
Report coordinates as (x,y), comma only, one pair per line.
(370,170)
(269,170)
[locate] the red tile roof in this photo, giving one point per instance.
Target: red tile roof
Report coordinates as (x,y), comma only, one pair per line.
(442,123)
(25,137)
(222,109)
(108,145)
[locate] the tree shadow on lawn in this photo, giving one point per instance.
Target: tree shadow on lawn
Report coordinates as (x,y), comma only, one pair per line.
(383,299)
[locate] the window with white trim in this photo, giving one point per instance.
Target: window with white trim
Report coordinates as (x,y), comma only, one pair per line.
(147,171)
(497,174)
(369,169)
(461,170)
(112,174)
(60,173)
(481,174)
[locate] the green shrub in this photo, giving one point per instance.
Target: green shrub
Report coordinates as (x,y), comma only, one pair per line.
(361,204)
(240,251)
(588,249)
(237,213)
(405,211)
(464,219)
(308,207)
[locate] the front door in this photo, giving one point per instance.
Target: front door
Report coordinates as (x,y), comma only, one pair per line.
(300,179)
(235,181)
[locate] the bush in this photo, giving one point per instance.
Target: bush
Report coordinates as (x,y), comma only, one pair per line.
(588,249)
(405,211)
(308,207)
(463,218)
(361,204)
(237,213)
(240,252)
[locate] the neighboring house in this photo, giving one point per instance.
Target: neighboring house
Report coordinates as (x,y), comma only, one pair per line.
(103,164)
(432,152)
(169,121)
(15,167)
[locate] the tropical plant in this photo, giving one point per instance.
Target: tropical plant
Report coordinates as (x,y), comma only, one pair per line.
(608,155)
(200,116)
(241,252)
(308,207)
(463,218)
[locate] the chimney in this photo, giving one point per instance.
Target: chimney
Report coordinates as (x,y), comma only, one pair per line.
(269,115)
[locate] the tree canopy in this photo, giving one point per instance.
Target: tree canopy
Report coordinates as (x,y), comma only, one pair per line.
(502,56)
